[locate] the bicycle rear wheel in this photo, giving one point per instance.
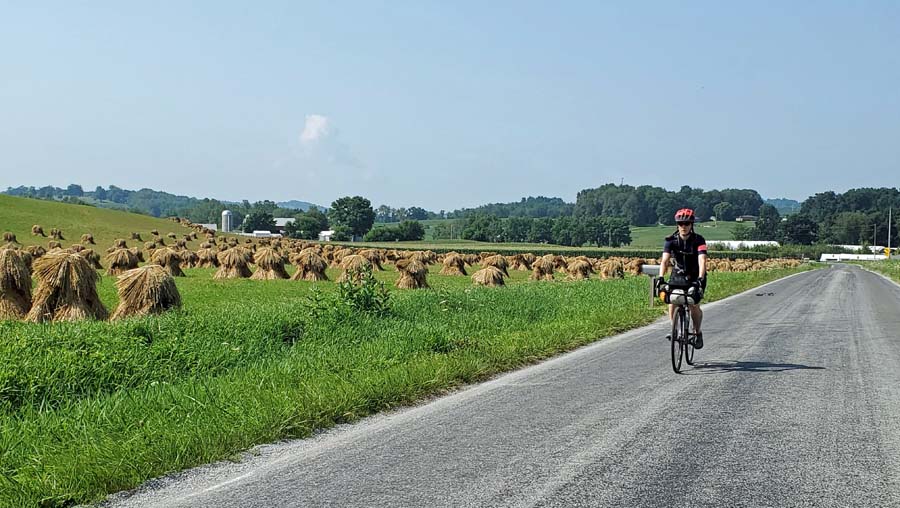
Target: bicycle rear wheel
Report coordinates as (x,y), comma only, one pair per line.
(688,343)
(678,339)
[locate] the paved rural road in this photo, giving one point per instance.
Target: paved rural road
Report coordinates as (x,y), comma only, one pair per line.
(795,401)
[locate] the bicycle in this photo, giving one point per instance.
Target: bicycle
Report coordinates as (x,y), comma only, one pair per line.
(682,339)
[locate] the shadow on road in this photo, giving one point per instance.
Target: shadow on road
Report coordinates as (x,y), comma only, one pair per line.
(715,367)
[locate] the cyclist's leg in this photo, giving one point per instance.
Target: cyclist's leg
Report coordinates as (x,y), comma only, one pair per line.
(696,317)
(671,312)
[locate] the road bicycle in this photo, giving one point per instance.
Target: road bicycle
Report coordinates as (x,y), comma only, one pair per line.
(682,339)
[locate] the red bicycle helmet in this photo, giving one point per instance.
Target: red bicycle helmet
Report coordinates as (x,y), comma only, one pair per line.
(684,215)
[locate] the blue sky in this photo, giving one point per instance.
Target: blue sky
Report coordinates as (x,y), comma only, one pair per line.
(449,104)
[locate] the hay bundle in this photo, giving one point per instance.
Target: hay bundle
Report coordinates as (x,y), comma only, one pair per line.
(15,284)
(612,269)
(120,261)
(453,265)
(352,267)
(310,266)
(488,276)
(91,257)
(269,265)
(66,291)
(189,259)
(375,257)
(520,261)
(88,239)
(154,232)
(173,236)
(206,258)
(579,269)
(120,243)
(136,236)
(206,245)
(542,268)
(53,244)
(138,253)
(37,230)
(232,265)
(168,259)
(75,248)
(498,262)
(56,234)
(412,274)
(150,246)
(144,291)
(36,251)
(9,237)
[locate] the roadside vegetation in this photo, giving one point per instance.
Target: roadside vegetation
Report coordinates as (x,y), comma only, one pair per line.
(891,268)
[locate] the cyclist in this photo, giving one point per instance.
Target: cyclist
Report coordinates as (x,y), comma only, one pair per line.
(688,250)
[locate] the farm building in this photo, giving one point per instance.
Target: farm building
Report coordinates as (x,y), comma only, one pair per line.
(740,244)
(325,236)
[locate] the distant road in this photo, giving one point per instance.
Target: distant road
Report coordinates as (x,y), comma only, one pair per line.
(795,401)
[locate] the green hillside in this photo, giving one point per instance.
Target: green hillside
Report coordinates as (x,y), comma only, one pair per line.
(649,237)
(17,215)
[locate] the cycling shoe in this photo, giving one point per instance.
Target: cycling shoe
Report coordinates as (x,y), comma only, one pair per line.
(698,341)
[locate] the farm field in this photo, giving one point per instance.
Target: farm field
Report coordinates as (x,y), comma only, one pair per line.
(93,407)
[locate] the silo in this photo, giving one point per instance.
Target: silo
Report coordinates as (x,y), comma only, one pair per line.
(227,217)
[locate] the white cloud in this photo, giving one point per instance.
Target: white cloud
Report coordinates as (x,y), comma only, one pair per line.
(317,127)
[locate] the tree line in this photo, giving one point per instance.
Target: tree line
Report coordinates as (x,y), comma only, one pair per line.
(856,217)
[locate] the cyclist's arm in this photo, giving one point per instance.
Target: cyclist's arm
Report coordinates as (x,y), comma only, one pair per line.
(701,259)
(664,266)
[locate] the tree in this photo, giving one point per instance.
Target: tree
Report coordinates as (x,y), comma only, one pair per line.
(799,229)
(382,234)
(416,213)
(355,213)
(74,190)
(741,232)
(724,211)
(411,230)
(259,221)
(768,223)
(515,229)
(541,230)
(100,193)
(482,228)
(307,225)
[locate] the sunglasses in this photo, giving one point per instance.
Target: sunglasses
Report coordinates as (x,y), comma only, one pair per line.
(683,223)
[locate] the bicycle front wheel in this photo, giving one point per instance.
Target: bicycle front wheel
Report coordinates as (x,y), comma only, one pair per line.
(688,343)
(678,340)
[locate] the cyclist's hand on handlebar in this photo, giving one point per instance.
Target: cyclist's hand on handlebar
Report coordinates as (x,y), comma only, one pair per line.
(702,281)
(660,282)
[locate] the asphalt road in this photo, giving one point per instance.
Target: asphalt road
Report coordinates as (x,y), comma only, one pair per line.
(794,401)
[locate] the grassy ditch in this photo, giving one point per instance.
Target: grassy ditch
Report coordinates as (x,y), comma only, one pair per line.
(890,268)
(94,408)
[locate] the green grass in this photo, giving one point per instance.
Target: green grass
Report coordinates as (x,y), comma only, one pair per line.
(646,237)
(891,268)
(92,408)
(17,215)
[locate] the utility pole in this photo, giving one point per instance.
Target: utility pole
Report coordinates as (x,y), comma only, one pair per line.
(890,211)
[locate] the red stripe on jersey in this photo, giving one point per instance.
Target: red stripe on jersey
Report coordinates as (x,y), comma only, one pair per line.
(701,248)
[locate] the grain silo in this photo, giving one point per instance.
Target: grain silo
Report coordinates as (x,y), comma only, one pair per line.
(227,217)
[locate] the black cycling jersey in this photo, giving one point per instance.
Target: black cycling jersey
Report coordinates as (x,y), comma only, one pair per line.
(686,252)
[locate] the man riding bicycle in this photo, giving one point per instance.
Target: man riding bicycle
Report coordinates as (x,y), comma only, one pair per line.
(688,250)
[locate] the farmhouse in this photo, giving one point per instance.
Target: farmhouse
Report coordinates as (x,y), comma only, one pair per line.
(325,236)
(746,218)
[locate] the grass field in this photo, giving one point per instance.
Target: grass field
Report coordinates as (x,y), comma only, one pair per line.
(17,215)
(644,237)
